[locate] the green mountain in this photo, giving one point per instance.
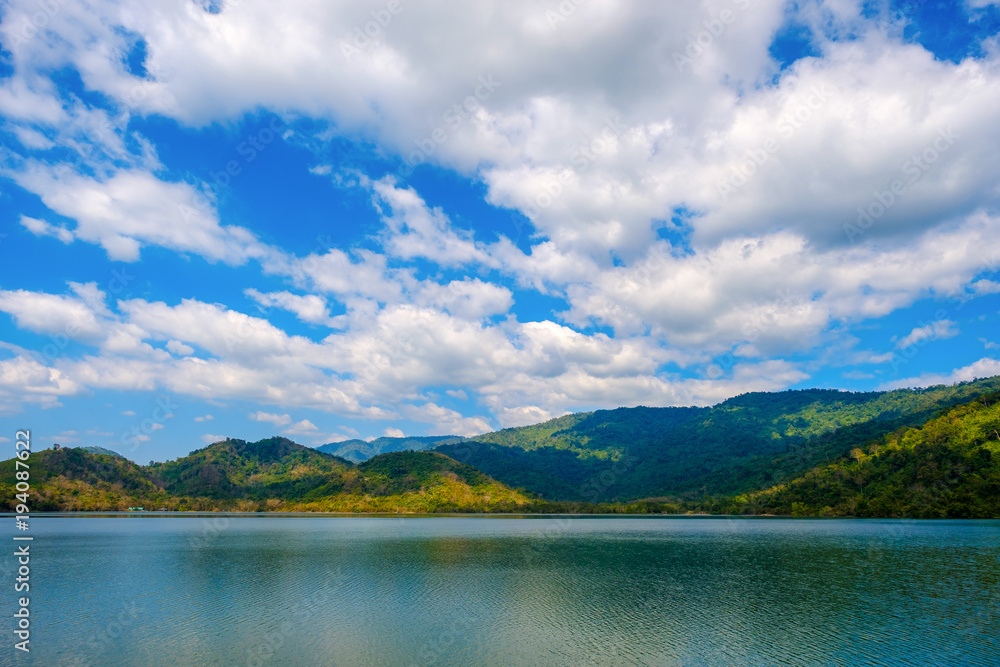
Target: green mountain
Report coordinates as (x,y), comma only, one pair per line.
(272,474)
(746,443)
(357,451)
(949,467)
(271,468)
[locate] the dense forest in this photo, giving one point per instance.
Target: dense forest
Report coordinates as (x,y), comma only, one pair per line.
(749,442)
(947,468)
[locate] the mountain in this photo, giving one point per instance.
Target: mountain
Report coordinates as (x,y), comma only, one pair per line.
(746,443)
(74,478)
(271,474)
(949,467)
(357,451)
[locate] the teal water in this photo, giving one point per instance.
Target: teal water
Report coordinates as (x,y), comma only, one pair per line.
(151,591)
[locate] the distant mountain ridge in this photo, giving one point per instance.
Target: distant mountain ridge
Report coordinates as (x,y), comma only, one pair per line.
(357,451)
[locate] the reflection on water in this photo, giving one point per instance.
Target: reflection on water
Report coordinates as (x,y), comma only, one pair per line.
(151,591)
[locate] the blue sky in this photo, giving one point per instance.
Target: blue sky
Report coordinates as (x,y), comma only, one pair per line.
(221,221)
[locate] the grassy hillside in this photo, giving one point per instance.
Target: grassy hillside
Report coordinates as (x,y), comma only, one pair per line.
(749,442)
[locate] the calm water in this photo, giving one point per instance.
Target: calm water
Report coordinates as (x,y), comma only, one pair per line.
(152,591)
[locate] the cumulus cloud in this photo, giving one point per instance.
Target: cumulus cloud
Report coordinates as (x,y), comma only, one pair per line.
(308,308)
(985,367)
(42,228)
(277,420)
(937,330)
(132,208)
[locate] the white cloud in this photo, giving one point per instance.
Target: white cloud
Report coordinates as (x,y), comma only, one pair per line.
(179,348)
(393,433)
(42,228)
(309,308)
(78,316)
(24,380)
(446,422)
(204,418)
(210,439)
(985,367)
(277,420)
(936,330)
(983,287)
(414,230)
(131,208)
(304,427)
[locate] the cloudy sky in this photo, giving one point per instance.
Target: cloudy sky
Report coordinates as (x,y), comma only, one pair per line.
(336,220)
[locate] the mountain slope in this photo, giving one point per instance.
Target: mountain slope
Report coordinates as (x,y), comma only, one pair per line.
(947,467)
(746,443)
(73,478)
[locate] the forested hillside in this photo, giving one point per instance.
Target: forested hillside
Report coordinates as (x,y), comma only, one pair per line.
(947,468)
(746,443)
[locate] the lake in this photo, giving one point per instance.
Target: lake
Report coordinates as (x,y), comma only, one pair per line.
(318,590)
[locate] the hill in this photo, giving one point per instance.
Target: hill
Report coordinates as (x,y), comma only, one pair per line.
(357,451)
(947,468)
(270,468)
(271,474)
(746,443)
